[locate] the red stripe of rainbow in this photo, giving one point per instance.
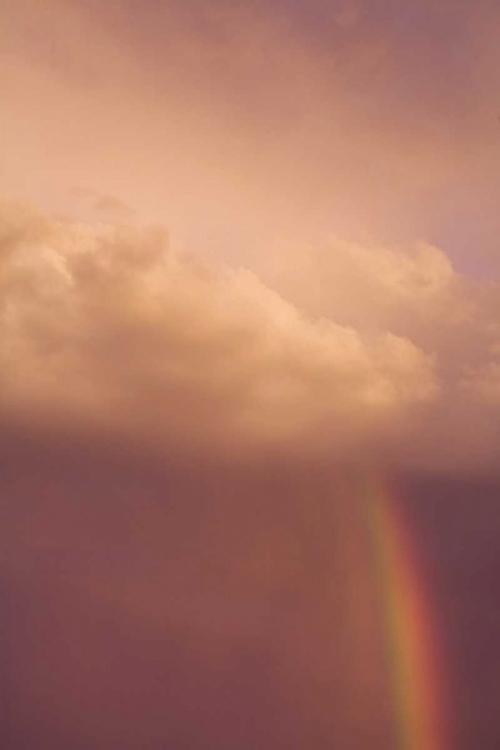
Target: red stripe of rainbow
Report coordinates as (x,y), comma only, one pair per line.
(411,641)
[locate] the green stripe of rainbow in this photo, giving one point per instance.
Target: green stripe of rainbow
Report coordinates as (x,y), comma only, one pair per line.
(411,640)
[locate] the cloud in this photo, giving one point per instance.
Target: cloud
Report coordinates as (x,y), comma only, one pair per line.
(370,351)
(102,203)
(111,325)
(420,279)
(414,293)
(113,206)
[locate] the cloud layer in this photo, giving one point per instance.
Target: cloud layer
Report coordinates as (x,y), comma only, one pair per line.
(377,349)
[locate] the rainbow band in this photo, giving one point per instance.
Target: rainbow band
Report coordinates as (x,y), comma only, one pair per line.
(411,637)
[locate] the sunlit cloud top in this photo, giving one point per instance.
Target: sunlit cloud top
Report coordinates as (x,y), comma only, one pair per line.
(109,329)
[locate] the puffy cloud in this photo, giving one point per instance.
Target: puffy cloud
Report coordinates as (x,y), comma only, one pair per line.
(414,293)
(379,352)
(108,324)
(419,281)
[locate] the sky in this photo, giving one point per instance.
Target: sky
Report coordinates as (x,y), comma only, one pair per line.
(249,262)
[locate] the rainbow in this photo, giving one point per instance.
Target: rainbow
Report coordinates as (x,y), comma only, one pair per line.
(416,675)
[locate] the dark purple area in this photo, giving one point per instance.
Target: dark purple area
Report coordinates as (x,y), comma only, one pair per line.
(457,532)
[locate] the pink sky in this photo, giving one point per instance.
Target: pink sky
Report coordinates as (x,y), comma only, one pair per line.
(248,254)
(242,126)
